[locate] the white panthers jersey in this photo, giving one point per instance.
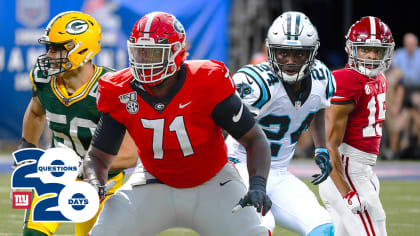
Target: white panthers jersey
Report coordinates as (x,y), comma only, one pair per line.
(283,116)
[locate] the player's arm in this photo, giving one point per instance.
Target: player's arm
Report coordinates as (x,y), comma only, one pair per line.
(337,117)
(127,156)
(336,121)
(317,129)
(235,118)
(33,123)
(322,156)
(104,147)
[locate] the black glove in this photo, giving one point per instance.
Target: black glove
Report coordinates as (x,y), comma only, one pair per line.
(322,159)
(102,189)
(256,195)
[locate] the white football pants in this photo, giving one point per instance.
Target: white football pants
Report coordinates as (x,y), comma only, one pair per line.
(364,181)
(143,209)
(295,207)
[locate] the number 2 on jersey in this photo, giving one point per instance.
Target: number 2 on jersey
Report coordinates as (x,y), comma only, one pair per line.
(284,124)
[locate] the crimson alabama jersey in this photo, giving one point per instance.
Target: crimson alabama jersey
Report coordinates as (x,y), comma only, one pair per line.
(364,125)
(178,141)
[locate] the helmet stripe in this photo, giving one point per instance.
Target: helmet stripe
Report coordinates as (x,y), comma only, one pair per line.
(297,26)
(373,29)
(289,22)
(149,24)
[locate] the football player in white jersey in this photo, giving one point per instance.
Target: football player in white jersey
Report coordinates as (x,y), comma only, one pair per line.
(287,95)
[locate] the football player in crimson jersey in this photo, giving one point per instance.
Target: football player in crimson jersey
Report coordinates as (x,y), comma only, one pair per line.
(65,84)
(175,111)
(354,129)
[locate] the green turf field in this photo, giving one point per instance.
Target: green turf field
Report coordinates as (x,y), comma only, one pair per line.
(401,200)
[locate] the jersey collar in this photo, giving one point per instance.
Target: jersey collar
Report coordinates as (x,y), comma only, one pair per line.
(60,91)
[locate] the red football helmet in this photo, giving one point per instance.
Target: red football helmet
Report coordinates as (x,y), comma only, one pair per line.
(369,32)
(156,48)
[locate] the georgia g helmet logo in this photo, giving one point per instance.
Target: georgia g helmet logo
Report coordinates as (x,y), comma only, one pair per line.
(178,27)
(77,26)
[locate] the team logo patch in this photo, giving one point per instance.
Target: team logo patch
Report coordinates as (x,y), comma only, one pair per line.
(130,101)
(77,26)
(178,27)
(243,89)
(367,89)
(159,106)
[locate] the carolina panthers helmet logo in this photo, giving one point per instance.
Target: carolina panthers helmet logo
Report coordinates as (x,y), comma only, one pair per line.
(243,89)
(77,26)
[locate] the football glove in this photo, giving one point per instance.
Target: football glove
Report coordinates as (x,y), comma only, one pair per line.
(355,203)
(322,159)
(256,196)
(102,189)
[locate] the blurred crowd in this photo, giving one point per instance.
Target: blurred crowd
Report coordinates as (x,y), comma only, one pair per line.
(403,102)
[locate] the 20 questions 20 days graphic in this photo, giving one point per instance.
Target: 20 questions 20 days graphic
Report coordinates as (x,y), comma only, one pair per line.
(51,175)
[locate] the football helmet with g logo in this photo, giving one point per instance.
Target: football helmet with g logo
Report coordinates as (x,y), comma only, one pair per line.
(76,32)
(292,33)
(369,32)
(156,47)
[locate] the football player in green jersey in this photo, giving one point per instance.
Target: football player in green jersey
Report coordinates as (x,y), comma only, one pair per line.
(65,83)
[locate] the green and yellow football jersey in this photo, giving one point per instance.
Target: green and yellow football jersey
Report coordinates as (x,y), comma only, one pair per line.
(71,117)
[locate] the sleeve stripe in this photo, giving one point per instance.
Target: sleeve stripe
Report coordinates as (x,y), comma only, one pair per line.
(331,84)
(340,99)
(265,92)
(31,76)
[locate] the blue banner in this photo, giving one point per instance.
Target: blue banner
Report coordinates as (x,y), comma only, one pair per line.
(206,24)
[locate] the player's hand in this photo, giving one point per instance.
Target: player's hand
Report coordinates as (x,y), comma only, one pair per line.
(322,159)
(102,189)
(256,196)
(354,202)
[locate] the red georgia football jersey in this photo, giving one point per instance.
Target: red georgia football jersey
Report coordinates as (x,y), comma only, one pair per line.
(178,141)
(364,125)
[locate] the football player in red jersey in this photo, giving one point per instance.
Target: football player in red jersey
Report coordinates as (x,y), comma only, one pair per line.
(175,111)
(354,130)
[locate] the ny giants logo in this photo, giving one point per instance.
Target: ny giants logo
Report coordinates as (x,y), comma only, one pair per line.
(21,200)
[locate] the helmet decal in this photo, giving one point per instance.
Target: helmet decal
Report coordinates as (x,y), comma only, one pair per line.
(178,27)
(77,26)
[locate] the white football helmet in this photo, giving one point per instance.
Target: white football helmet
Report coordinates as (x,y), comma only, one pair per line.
(292,31)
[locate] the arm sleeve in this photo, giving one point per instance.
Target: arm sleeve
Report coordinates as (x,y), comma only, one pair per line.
(233,116)
(108,134)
